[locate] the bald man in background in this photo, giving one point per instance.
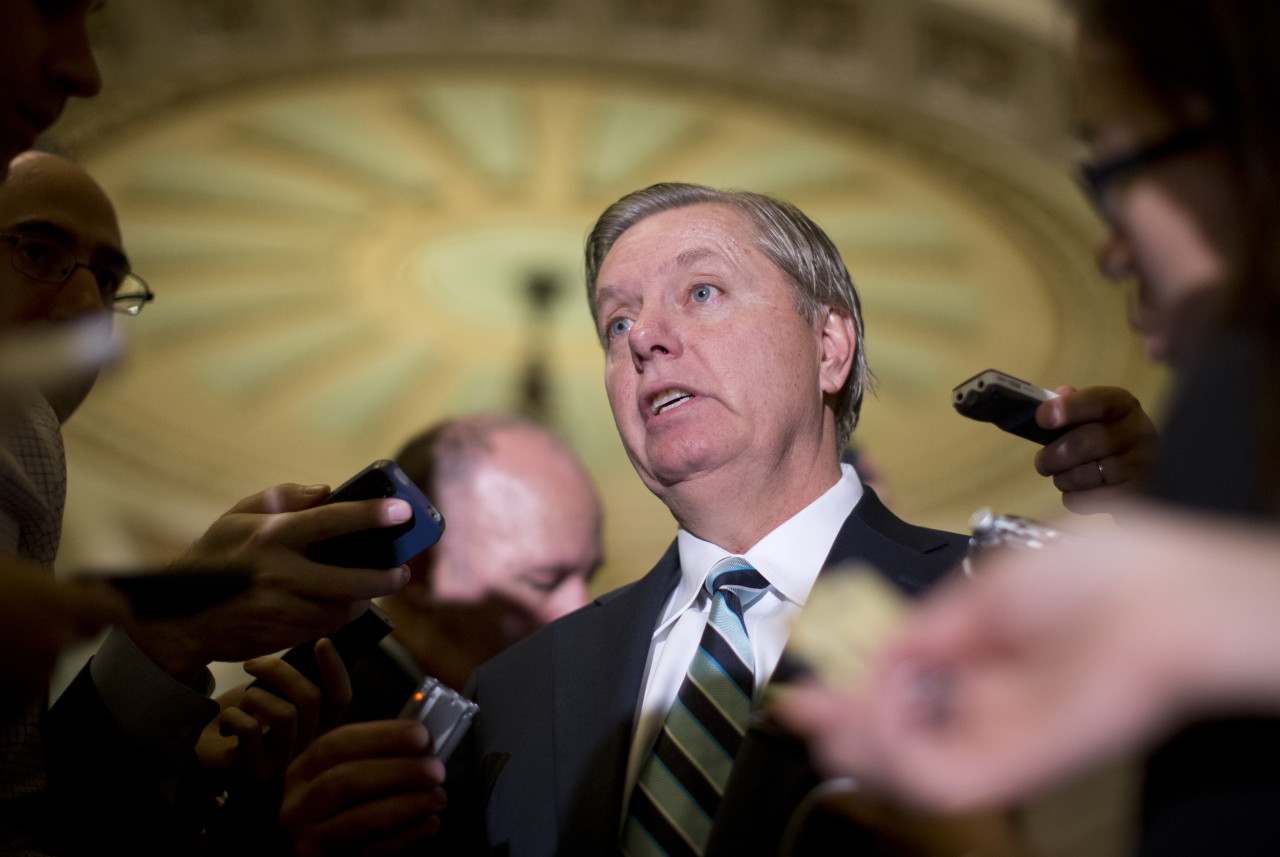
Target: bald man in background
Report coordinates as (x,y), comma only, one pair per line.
(522,542)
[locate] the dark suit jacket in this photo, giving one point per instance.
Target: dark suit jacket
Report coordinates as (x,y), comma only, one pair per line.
(544,766)
(103,796)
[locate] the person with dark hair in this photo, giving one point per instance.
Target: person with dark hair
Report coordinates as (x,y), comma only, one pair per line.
(1051,660)
(522,542)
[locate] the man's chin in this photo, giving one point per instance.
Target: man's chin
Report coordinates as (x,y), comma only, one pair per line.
(66,397)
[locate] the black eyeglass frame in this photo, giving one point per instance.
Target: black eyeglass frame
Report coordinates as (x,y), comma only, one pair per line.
(1096,177)
(123,304)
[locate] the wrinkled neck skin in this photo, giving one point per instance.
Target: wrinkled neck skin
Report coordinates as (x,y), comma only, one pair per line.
(735,506)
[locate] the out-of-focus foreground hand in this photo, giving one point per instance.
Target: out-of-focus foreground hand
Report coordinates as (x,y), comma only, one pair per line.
(257,734)
(1050,661)
(293,599)
(364,788)
(39,617)
(1112,444)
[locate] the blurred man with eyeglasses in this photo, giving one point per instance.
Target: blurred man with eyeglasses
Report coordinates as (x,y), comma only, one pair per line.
(119,743)
(122,733)
(44,59)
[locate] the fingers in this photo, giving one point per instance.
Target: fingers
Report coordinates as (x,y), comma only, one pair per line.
(378,738)
(332,583)
(291,720)
(396,824)
(286,497)
(1109,499)
(1112,442)
(366,785)
(1100,471)
(302,527)
(336,683)
(249,754)
(1090,405)
(291,515)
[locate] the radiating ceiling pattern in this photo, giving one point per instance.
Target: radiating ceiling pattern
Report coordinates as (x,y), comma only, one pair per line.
(361,216)
(338,266)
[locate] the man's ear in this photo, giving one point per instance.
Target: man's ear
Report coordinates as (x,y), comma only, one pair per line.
(838,341)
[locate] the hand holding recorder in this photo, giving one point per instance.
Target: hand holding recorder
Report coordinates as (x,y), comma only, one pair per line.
(1097,440)
(257,734)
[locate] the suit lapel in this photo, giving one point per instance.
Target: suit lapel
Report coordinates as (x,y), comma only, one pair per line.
(594,710)
(912,557)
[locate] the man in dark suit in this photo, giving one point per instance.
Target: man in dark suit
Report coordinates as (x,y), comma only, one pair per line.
(735,371)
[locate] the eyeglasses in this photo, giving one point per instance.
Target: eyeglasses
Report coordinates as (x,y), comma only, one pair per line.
(48,261)
(1099,177)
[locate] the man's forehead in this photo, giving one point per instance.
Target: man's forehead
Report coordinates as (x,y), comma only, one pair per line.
(57,199)
(691,236)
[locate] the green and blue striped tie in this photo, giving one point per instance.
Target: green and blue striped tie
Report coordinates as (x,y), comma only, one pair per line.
(679,789)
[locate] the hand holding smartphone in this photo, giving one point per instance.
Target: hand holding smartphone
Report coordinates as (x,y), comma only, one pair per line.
(381,547)
(1009,402)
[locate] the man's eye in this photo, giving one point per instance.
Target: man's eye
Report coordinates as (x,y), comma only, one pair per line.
(619,326)
(704,293)
(43,260)
(35,251)
(541,584)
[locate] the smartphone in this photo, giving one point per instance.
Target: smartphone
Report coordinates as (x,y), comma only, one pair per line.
(446,713)
(381,547)
(1010,403)
(170,593)
(353,641)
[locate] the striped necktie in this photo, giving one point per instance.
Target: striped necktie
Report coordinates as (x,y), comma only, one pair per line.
(679,789)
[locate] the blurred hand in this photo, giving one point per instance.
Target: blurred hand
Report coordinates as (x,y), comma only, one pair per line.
(1047,662)
(293,599)
(364,788)
(1112,443)
(257,734)
(39,617)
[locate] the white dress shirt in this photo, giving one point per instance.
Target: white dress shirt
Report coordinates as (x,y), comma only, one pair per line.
(789,558)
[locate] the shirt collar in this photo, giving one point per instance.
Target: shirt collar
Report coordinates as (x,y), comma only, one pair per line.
(789,558)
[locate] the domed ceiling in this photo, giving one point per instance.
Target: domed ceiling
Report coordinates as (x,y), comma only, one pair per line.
(361,217)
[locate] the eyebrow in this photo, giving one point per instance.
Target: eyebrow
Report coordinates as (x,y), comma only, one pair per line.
(102,256)
(685,259)
(689,258)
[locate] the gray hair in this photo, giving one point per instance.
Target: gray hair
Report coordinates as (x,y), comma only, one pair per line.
(792,242)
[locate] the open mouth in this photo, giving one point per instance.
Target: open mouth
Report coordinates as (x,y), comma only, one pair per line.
(667,400)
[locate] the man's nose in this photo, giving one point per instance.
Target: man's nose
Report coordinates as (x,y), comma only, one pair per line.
(1114,258)
(653,334)
(78,296)
(69,59)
